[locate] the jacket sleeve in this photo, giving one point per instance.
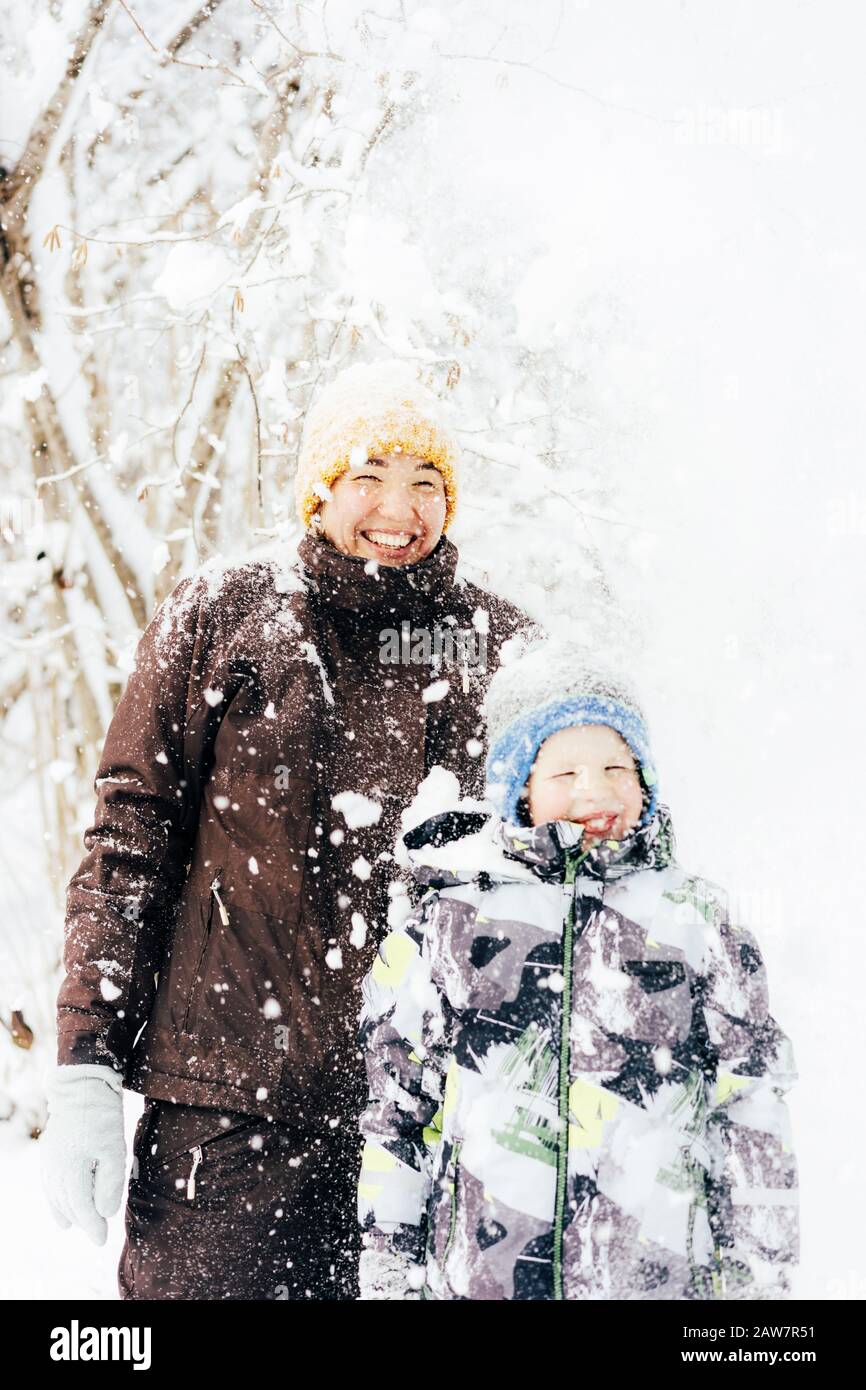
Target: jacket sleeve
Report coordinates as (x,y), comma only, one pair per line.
(752,1190)
(405,1033)
(121,899)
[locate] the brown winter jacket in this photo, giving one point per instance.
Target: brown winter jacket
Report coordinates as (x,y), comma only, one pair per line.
(225,913)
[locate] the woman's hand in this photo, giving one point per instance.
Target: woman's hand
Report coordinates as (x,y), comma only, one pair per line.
(83,1149)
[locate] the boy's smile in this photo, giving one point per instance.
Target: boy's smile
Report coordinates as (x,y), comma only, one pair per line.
(586,774)
(599,824)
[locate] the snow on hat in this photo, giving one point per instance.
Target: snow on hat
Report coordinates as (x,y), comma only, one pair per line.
(553,685)
(372,408)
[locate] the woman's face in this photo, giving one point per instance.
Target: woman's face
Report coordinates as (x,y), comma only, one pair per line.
(391,509)
(587,774)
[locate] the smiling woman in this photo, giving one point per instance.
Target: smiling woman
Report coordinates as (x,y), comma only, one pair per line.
(228,889)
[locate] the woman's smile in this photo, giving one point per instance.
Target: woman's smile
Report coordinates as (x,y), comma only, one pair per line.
(395,544)
(391,545)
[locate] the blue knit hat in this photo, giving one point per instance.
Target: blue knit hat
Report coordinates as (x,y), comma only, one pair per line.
(553,685)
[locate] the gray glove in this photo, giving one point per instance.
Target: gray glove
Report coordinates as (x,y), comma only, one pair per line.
(83,1149)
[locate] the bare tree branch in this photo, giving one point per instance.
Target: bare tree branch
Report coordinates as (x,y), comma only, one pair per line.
(301,52)
(167,56)
(191,27)
(17,189)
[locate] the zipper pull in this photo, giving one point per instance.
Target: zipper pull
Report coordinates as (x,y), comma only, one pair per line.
(190,1182)
(224,917)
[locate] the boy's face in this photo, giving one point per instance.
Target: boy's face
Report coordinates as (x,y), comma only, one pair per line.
(587,774)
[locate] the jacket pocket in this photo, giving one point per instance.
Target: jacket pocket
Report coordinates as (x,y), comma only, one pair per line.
(452,1218)
(655,975)
(659,1001)
(244,992)
(199,979)
(269,830)
(196,1156)
(443,1208)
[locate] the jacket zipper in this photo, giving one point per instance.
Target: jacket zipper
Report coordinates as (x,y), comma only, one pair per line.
(190,1182)
(571,866)
(224,918)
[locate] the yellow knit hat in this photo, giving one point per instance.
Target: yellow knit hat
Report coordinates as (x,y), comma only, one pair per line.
(380,407)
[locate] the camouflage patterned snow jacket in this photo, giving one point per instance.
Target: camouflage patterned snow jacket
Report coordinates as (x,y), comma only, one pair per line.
(576,1086)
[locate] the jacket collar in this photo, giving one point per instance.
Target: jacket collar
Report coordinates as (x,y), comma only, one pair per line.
(545,848)
(458,846)
(355,585)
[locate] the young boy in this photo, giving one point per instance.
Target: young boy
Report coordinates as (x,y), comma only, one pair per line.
(576,1086)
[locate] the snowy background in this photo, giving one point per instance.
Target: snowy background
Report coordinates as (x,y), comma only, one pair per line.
(625,243)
